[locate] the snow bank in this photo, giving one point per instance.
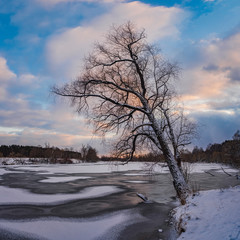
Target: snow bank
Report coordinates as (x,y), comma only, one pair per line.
(213,214)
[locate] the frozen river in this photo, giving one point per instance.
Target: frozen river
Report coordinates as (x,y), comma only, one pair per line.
(94,201)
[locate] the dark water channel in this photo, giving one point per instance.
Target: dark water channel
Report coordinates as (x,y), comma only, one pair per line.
(76,203)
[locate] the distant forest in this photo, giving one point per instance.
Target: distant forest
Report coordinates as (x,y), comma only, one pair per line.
(227,152)
(49,154)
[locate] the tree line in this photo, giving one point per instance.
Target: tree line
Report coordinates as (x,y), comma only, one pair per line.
(49,154)
(227,152)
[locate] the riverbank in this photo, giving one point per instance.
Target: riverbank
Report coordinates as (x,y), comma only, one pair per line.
(212,214)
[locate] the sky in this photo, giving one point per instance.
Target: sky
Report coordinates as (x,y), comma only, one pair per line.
(43,42)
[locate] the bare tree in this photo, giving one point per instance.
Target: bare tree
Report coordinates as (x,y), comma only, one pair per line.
(236,135)
(84,151)
(126,87)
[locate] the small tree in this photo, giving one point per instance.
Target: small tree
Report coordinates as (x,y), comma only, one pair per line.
(83,152)
(91,154)
(236,135)
(126,87)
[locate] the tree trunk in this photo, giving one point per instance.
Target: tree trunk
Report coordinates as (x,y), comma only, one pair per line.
(179,181)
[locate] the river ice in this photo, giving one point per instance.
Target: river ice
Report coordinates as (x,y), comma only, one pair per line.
(96,185)
(72,229)
(12,195)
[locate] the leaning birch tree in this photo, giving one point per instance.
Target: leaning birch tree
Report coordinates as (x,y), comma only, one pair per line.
(126,86)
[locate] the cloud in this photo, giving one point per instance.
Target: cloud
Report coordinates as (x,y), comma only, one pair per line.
(234,74)
(65,50)
(212,81)
(5,73)
(51,3)
(35,136)
(24,122)
(215,126)
(28,79)
(10,82)
(224,52)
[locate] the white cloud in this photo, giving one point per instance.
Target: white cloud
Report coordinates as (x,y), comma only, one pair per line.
(224,52)
(215,77)
(28,79)
(5,73)
(158,21)
(6,78)
(65,50)
(24,122)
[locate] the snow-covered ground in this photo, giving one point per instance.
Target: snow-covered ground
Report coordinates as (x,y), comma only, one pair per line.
(213,214)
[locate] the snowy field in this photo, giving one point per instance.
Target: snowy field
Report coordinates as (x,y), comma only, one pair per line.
(105,167)
(213,214)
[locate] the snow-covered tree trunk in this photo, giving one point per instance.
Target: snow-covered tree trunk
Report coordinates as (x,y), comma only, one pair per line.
(179,181)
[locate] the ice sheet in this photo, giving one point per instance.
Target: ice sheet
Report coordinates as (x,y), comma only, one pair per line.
(60,179)
(13,195)
(70,229)
(4,171)
(136,181)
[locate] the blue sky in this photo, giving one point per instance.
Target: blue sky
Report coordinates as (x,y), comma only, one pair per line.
(42,42)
